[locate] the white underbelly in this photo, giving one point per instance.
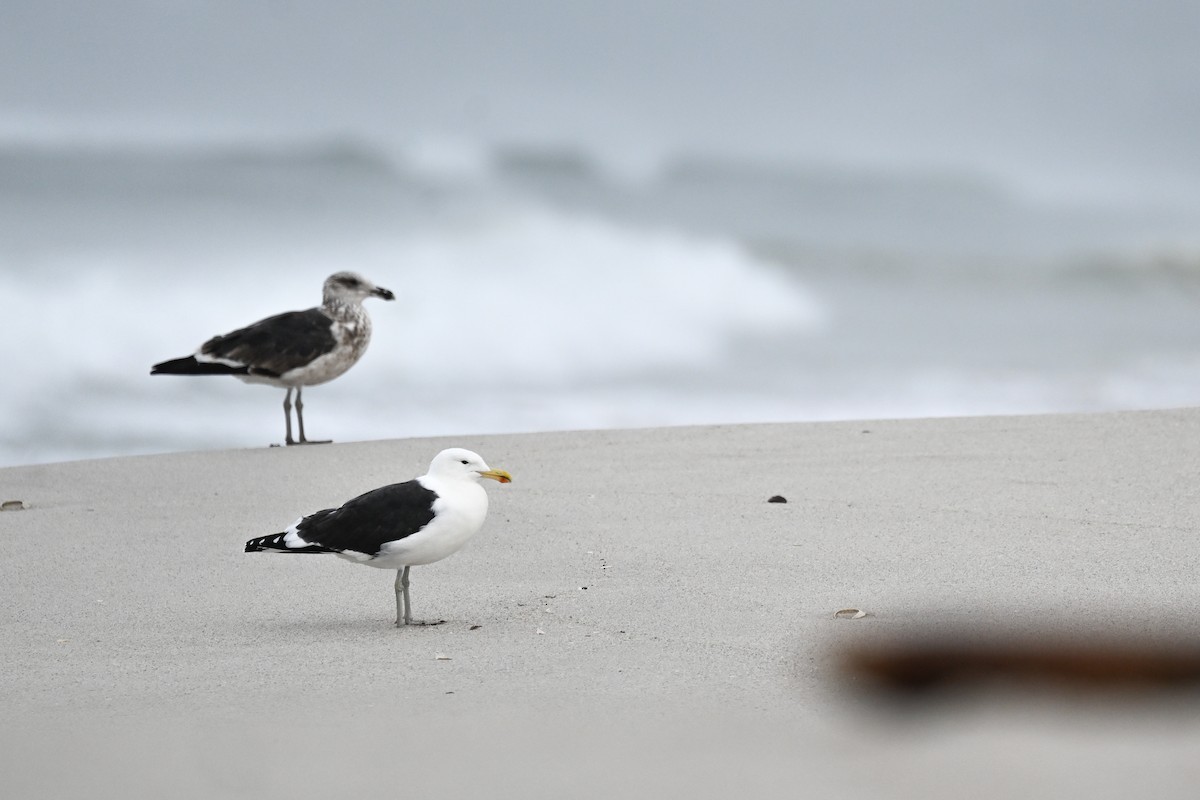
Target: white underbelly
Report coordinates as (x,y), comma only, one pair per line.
(323,369)
(444,536)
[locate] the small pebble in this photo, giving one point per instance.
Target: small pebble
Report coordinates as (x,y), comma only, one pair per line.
(777,499)
(13,505)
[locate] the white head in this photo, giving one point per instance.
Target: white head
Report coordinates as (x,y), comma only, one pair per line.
(457,463)
(351,287)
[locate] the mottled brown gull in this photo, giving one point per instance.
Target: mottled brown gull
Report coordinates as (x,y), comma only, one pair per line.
(294,349)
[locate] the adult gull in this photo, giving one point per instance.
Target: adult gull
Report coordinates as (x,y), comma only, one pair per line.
(398,526)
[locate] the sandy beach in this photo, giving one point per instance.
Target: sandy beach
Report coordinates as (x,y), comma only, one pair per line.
(635,620)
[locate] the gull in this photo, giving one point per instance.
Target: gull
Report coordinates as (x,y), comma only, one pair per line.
(294,349)
(401,525)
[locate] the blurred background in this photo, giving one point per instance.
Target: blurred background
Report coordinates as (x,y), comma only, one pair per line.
(596,214)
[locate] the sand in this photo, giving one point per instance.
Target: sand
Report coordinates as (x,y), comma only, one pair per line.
(634,620)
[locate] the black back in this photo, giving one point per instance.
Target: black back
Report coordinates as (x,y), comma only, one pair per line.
(276,344)
(370,520)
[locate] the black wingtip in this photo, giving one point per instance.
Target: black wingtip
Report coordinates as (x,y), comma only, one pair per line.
(176,366)
(190,366)
(260,543)
(275,544)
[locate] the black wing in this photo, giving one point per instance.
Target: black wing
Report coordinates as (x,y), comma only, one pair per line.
(371,520)
(276,344)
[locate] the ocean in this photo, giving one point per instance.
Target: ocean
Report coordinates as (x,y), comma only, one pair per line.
(541,288)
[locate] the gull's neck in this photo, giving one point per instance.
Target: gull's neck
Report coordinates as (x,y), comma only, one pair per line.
(345,309)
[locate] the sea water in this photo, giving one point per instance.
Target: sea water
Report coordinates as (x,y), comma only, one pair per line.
(539,290)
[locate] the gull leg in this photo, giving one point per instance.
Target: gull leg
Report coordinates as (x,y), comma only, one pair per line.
(300,413)
(287,417)
(404,604)
(300,419)
(402,615)
(407,599)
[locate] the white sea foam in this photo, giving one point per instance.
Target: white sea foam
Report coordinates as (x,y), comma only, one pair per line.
(535,297)
(514,317)
(529,299)
(540,297)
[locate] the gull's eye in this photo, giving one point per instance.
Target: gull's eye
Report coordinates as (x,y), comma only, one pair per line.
(464,461)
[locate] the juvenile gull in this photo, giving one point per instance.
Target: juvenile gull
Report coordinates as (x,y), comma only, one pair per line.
(401,525)
(294,349)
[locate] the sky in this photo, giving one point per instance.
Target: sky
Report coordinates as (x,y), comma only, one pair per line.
(1066,100)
